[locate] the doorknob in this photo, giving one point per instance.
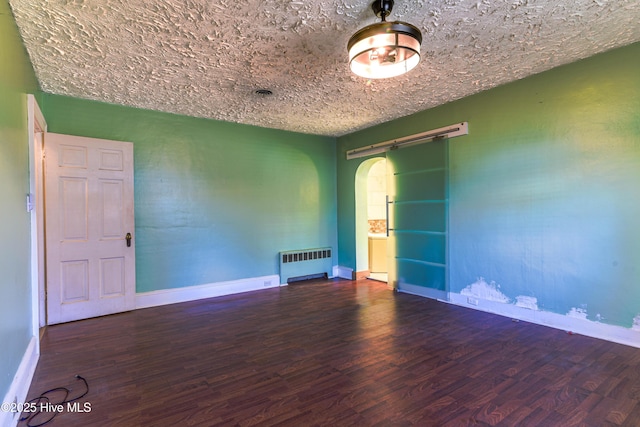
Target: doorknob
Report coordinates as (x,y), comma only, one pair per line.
(128,237)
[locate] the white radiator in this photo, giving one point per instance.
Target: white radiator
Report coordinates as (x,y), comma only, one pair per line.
(305,264)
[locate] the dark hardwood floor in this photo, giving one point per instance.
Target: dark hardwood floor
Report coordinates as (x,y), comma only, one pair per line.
(334,353)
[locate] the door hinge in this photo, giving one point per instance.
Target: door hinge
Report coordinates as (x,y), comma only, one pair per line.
(30,202)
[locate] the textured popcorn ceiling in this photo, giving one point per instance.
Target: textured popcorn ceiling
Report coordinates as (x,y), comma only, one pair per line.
(206,58)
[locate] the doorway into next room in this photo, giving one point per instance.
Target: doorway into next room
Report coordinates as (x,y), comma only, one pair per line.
(377,220)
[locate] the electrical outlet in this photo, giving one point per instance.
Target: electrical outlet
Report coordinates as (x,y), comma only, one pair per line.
(472,301)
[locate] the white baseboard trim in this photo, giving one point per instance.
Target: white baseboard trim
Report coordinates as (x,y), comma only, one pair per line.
(343,272)
(21,382)
(422,291)
(574,325)
(210,290)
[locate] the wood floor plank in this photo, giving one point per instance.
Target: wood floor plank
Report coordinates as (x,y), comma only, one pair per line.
(339,353)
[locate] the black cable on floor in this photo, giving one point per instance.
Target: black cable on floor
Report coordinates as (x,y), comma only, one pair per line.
(33,408)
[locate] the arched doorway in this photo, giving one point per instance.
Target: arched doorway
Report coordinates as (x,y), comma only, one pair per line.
(371,219)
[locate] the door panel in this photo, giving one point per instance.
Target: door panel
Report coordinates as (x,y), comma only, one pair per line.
(112,220)
(72,156)
(74,279)
(421,246)
(431,155)
(419,216)
(417,273)
(432,186)
(111,160)
(112,277)
(89,211)
(74,199)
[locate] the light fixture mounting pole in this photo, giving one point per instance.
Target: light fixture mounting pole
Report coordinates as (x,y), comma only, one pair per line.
(382,8)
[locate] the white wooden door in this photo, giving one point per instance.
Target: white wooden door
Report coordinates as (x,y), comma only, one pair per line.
(89,212)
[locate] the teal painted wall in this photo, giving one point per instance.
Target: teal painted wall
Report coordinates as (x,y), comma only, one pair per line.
(16,80)
(543,190)
(214,201)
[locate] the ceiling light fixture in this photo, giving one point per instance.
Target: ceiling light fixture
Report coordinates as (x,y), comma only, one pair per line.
(384,49)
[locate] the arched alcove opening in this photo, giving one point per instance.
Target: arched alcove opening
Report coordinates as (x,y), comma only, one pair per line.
(371,217)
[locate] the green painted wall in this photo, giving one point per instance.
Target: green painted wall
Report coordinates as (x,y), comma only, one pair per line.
(543,190)
(214,201)
(16,80)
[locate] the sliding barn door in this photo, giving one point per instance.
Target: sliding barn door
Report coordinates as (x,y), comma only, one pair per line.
(89,227)
(418,218)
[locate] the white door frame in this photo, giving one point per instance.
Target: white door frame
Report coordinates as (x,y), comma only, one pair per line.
(36,124)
